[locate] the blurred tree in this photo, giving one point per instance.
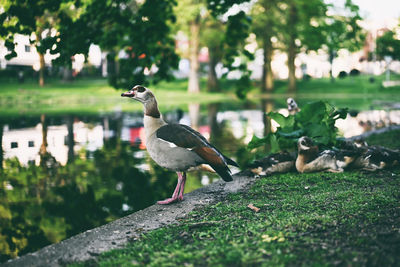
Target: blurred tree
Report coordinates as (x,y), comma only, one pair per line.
(342,31)
(237,29)
(236,56)
(266,21)
(136,34)
(212,38)
(300,29)
(388,45)
(189,20)
(38,20)
(388,49)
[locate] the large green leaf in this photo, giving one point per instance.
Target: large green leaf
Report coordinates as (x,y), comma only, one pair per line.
(316,120)
(313,112)
(284,122)
(257,142)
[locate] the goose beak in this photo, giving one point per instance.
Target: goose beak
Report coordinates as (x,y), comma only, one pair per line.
(128,94)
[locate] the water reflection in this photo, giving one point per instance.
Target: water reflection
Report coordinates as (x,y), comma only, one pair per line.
(64,174)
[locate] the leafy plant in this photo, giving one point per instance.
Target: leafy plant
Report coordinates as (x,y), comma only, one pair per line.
(315,120)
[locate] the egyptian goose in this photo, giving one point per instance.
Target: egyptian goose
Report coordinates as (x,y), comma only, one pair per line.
(177,147)
(372,158)
(309,159)
(293,108)
(275,163)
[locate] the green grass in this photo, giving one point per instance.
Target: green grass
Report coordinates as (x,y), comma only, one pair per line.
(93,96)
(389,139)
(304,219)
(318,219)
(354,92)
(90,96)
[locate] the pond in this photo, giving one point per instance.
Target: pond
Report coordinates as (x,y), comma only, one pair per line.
(65,173)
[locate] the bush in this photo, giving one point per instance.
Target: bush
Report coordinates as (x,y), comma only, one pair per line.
(17,73)
(342,74)
(315,120)
(354,72)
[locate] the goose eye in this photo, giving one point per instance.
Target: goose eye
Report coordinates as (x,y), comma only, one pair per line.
(141,89)
(303,143)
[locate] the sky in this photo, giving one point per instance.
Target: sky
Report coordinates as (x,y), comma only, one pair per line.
(379,10)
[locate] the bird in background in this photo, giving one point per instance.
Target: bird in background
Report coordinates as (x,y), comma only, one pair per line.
(177,147)
(281,162)
(372,158)
(293,108)
(310,159)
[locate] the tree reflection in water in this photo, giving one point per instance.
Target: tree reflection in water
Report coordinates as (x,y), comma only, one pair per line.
(40,205)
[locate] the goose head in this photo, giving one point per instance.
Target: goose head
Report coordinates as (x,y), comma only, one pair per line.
(304,143)
(146,97)
(292,105)
(139,93)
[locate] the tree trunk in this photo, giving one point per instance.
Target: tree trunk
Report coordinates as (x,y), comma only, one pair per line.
(212,83)
(267,78)
(1,146)
(215,128)
(194,114)
(291,65)
(331,58)
(266,107)
(292,49)
(67,74)
(194,86)
(71,143)
(106,128)
(42,65)
(43,147)
(42,69)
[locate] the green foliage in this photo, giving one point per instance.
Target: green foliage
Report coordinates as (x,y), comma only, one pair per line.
(237,30)
(36,17)
(388,45)
(141,30)
(315,120)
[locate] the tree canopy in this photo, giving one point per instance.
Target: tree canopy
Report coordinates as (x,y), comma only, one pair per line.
(137,36)
(388,45)
(68,27)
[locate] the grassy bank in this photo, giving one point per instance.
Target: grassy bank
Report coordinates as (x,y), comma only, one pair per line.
(318,219)
(89,96)
(313,219)
(354,92)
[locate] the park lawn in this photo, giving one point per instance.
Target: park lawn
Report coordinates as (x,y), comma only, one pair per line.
(318,219)
(90,96)
(353,92)
(93,96)
(389,139)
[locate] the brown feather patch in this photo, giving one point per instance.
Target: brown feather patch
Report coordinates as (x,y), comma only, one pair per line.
(209,155)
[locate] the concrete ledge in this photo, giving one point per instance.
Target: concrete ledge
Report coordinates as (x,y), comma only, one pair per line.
(118,233)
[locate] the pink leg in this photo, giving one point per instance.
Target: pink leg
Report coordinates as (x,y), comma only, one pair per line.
(180,197)
(176,196)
